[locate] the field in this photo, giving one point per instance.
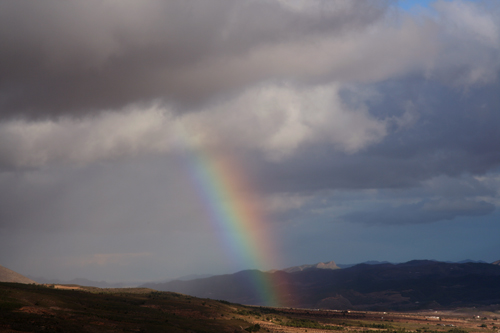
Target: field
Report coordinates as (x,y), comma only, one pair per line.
(71,308)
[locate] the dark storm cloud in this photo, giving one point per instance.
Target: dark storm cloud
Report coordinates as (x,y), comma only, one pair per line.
(69,58)
(453,132)
(422,212)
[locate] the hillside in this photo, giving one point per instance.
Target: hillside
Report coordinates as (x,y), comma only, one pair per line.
(38,308)
(496,262)
(408,286)
(7,275)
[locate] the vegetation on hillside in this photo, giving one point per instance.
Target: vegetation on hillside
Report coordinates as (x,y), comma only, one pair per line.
(37,308)
(72,308)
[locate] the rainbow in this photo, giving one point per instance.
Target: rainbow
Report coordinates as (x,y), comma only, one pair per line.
(236,211)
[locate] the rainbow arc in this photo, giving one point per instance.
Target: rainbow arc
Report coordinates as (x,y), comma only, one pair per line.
(235,209)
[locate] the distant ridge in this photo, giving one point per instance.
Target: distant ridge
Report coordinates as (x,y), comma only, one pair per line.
(105,284)
(413,285)
(471,261)
(496,262)
(86,282)
(193,277)
(369,262)
(7,275)
(320,265)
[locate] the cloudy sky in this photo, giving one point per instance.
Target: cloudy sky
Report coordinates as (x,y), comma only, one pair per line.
(368,130)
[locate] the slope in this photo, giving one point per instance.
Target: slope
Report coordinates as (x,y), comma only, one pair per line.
(7,275)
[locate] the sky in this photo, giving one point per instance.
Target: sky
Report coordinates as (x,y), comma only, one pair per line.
(332,129)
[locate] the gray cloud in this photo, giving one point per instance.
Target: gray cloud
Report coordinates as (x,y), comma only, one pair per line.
(452,133)
(422,212)
(276,120)
(65,58)
(154,193)
(281,66)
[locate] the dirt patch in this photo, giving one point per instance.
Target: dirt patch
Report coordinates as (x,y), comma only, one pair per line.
(36,310)
(59,286)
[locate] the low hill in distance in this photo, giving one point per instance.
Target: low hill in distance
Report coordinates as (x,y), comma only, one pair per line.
(470,261)
(370,262)
(38,308)
(129,284)
(86,282)
(496,262)
(418,284)
(320,265)
(106,284)
(7,275)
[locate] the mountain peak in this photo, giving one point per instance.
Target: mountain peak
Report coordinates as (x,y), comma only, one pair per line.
(320,265)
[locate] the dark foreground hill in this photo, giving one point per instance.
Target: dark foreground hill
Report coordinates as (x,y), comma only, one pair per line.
(39,308)
(73,308)
(408,286)
(7,275)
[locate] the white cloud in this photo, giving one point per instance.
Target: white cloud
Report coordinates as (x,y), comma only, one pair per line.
(278,119)
(109,135)
(470,44)
(274,119)
(469,21)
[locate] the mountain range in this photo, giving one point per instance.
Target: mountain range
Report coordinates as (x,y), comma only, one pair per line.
(373,285)
(418,284)
(105,284)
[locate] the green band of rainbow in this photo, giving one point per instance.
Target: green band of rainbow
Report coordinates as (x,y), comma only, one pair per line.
(236,211)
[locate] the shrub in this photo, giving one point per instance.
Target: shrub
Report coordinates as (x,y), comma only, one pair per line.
(253,328)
